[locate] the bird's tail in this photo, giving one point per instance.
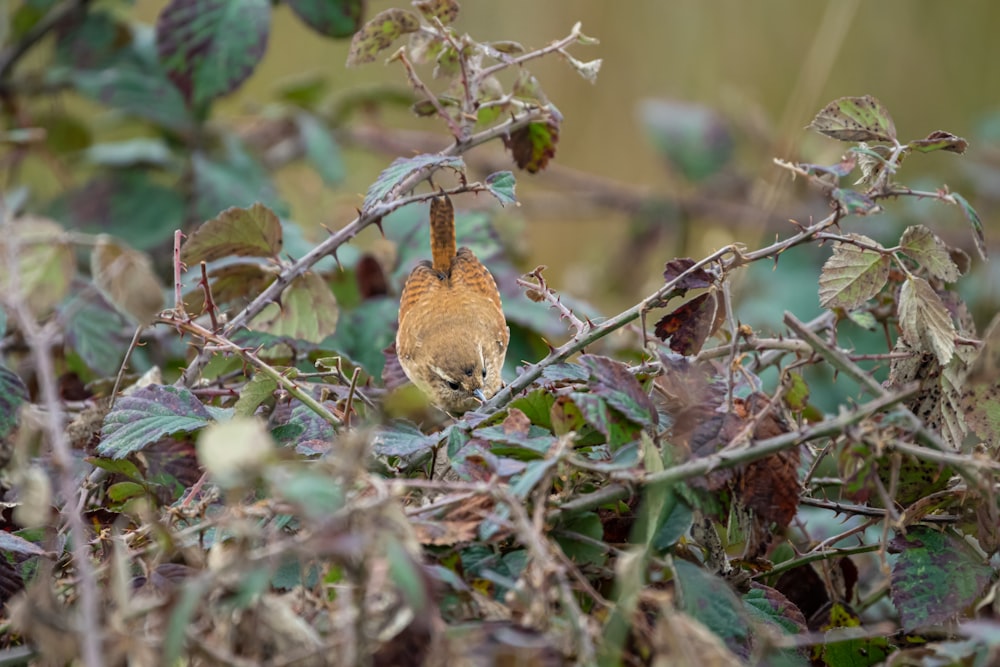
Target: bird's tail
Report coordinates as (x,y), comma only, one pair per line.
(442,234)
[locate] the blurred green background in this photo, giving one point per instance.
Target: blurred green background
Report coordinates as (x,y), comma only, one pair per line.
(766,67)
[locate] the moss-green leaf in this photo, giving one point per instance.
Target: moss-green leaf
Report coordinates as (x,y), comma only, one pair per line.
(242,232)
(146,416)
(210,47)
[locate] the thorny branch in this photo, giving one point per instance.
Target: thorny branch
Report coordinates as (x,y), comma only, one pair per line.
(394,201)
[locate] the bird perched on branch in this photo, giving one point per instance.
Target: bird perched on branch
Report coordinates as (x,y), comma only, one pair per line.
(452,336)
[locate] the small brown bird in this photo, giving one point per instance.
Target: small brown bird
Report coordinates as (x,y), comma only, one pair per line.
(452,336)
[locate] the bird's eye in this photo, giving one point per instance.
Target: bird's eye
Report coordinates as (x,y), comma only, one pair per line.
(484,373)
(453,386)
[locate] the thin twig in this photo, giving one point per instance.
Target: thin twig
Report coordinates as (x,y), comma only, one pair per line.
(731,458)
(39,339)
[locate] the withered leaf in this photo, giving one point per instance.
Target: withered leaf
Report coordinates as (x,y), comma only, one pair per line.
(939,140)
(379,34)
(690,325)
(924,321)
(697,279)
(534,145)
(855,119)
(930,252)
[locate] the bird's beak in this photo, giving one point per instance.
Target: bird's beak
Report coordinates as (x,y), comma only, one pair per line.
(479,395)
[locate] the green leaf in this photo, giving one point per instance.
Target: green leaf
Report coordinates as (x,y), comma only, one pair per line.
(403,168)
(977,224)
(501,185)
(709,600)
(936,577)
(853,275)
(582,553)
(124,490)
(308,311)
(924,320)
(128,204)
(13,394)
(674,522)
(209,47)
(149,414)
(939,141)
(693,138)
(260,388)
(534,443)
(96,331)
(321,149)
(537,407)
(241,232)
(331,18)
(930,252)
(314,433)
(44,264)
(771,607)
(379,34)
(617,430)
(137,85)
(90,42)
(612,382)
(855,119)
(852,202)
(401,439)
(118,467)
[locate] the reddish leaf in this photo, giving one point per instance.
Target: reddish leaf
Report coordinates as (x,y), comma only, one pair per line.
(370,277)
(620,389)
(697,279)
(209,47)
(690,325)
(534,145)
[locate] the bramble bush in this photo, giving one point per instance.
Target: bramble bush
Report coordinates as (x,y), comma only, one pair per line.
(212,456)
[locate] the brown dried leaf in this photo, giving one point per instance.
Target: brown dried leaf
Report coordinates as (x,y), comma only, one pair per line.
(770,486)
(697,279)
(939,140)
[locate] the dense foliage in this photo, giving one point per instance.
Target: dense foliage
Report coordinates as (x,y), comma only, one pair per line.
(212,455)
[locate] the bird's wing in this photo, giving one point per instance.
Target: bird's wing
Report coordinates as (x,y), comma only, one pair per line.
(421,284)
(468,271)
